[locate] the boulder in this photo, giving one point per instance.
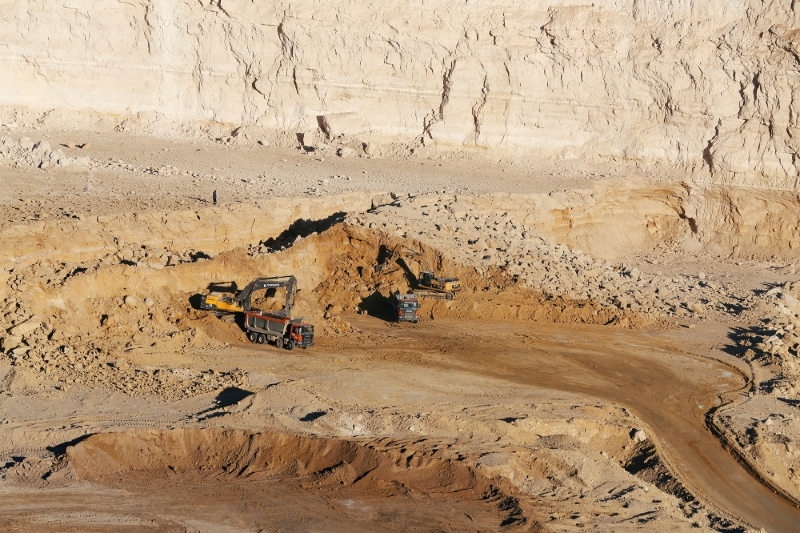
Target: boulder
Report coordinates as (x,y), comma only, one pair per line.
(25,328)
(344,151)
(458,210)
(382,199)
(337,124)
(9,343)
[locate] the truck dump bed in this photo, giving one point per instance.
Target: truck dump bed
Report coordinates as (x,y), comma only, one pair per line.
(266,323)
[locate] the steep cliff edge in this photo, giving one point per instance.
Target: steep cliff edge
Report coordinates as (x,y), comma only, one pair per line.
(711,86)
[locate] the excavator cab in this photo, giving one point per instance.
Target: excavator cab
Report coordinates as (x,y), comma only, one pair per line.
(228,303)
(429,280)
(221,301)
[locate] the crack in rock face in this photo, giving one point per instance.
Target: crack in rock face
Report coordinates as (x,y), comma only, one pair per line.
(706,86)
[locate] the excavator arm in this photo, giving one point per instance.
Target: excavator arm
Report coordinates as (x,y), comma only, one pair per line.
(274,282)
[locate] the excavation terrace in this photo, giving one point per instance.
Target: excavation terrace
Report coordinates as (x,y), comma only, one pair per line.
(426,266)
(620,356)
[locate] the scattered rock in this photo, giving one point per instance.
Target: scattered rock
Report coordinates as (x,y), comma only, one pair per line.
(25,328)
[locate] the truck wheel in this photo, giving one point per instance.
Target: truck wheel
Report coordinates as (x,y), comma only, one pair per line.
(261,339)
(288,345)
(252,337)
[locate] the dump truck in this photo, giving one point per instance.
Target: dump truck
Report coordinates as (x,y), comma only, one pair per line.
(240,303)
(406,307)
(263,328)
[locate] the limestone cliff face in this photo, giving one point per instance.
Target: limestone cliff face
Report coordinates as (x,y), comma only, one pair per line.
(710,85)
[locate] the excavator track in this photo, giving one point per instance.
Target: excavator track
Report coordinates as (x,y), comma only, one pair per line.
(439,295)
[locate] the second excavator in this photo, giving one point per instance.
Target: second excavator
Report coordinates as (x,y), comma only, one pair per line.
(427,284)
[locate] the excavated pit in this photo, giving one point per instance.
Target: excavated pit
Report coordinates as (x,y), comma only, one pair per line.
(300,481)
(107,323)
(117,310)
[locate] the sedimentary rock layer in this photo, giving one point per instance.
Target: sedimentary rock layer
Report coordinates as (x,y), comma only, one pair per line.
(712,86)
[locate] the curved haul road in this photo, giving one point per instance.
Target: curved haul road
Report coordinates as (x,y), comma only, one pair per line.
(672,392)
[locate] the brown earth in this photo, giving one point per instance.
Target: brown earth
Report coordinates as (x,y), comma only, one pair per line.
(553,411)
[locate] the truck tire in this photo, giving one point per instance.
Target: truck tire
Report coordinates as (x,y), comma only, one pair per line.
(252,337)
(288,345)
(261,339)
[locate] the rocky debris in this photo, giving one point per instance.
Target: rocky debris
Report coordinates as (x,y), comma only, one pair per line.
(766,431)
(163,170)
(54,273)
(154,257)
(39,155)
(97,369)
(324,144)
(501,241)
(72,356)
(129,322)
(772,346)
(764,428)
(352,284)
(36,154)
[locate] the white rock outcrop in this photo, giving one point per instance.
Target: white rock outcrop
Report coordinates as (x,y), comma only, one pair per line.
(709,85)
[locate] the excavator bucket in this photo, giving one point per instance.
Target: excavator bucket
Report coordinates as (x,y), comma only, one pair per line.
(387,265)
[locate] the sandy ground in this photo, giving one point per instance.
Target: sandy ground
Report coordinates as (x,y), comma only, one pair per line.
(141,173)
(489,414)
(443,382)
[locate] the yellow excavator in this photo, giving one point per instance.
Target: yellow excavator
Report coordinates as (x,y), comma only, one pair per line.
(427,284)
(429,281)
(240,302)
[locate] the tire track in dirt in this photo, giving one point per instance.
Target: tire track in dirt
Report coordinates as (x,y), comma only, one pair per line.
(670,391)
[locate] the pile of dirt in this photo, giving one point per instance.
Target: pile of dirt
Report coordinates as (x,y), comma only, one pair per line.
(764,431)
(354,285)
(476,233)
(102,321)
(36,154)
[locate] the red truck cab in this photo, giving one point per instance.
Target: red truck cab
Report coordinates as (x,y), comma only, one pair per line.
(406,307)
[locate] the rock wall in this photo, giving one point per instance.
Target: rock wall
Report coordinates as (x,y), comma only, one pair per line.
(712,85)
(209,231)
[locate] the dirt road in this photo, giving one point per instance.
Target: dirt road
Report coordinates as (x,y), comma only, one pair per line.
(670,391)
(647,373)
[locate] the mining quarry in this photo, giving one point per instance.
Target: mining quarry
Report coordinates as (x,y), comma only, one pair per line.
(214,215)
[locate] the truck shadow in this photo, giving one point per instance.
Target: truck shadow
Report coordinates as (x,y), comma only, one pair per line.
(378,306)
